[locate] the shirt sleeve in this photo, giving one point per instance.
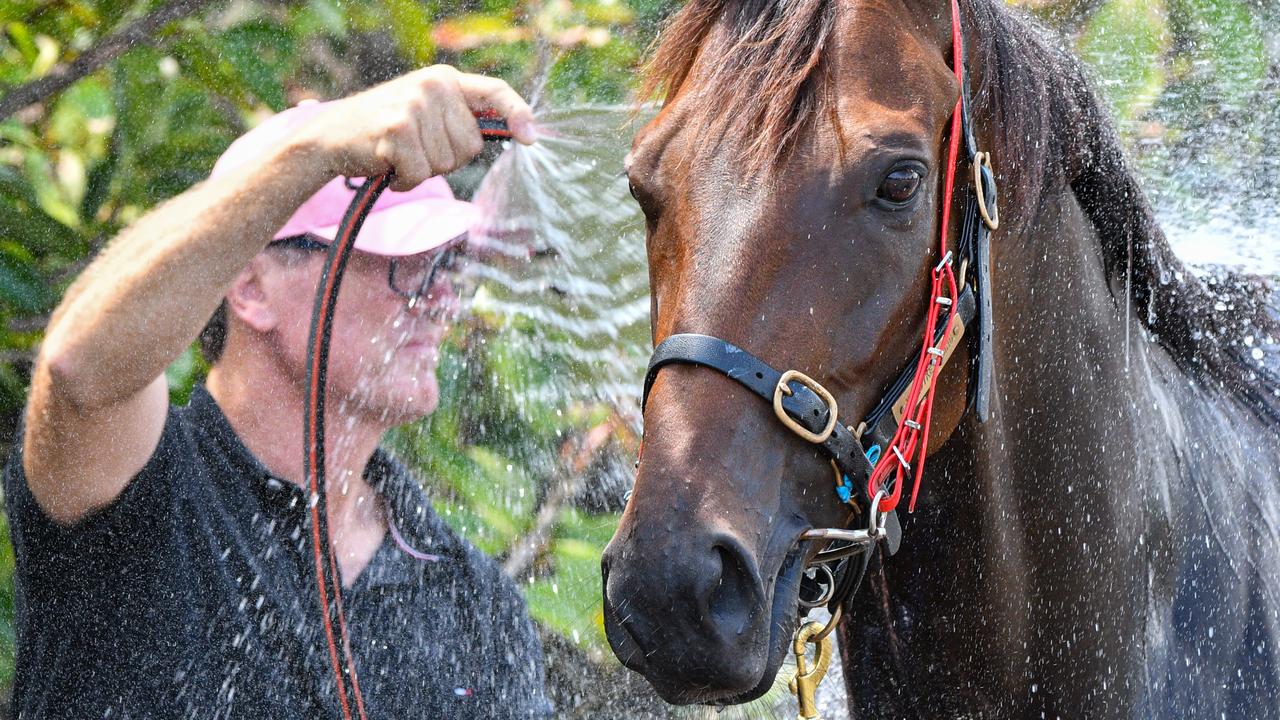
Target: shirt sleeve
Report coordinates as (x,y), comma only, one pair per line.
(127,528)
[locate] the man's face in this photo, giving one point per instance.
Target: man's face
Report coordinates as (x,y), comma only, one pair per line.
(384,347)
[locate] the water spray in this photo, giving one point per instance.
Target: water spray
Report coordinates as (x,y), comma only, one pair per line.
(328,581)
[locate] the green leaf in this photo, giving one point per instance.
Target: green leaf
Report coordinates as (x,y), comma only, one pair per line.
(1125,40)
(139,90)
(21,286)
(14,186)
(199,57)
(328,14)
(411,26)
(13,395)
(98,185)
(569,601)
(24,221)
(30,226)
(23,40)
(260,52)
(183,373)
(472,526)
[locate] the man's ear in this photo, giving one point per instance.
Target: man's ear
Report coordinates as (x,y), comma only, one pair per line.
(248,300)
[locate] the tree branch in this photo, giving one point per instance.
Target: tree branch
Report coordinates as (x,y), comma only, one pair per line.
(526,549)
(101,53)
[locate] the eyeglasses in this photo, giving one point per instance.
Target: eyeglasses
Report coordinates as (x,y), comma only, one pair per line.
(411,277)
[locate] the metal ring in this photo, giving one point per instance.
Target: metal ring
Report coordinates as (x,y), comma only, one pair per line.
(831,624)
(782,389)
(826,596)
(981,160)
(872,528)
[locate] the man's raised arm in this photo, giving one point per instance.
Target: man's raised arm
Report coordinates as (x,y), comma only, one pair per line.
(98,397)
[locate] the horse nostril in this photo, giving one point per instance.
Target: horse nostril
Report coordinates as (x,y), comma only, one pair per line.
(731,604)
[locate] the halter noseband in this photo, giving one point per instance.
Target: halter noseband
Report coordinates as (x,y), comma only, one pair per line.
(871,459)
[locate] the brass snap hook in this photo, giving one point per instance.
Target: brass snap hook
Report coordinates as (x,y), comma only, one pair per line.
(805,683)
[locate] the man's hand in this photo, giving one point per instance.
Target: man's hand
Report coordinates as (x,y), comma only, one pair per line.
(421,125)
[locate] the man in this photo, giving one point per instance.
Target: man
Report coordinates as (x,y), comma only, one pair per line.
(163,553)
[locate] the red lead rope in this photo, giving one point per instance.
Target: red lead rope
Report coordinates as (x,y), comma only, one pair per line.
(910,443)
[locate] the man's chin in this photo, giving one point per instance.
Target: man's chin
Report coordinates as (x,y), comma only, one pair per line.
(391,404)
(411,405)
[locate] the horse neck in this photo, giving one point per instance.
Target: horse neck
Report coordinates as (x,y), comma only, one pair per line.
(1029,528)
(1074,379)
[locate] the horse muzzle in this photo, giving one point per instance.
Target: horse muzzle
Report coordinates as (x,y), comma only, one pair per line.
(699,621)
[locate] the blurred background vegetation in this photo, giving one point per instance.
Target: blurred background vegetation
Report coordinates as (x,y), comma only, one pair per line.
(108,107)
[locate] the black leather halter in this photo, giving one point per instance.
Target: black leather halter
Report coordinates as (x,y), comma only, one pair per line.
(855,449)
(854,457)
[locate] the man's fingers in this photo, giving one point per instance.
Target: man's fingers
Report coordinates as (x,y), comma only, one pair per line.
(402,150)
(419,125)
(486,93)
(435,140)
(464,134)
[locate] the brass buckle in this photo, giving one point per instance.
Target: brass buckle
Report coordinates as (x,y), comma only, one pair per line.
(981,160)
(782,389)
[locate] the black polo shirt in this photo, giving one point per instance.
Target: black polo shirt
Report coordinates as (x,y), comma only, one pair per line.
(193,596)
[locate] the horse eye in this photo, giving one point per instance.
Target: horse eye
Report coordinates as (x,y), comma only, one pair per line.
(900,185)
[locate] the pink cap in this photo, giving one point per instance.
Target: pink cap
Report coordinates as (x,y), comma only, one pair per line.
(400,223)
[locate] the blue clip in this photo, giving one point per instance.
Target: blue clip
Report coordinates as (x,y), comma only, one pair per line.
(873,455)
(845,489)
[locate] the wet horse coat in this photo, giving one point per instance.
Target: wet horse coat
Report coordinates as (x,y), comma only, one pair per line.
(1106,545)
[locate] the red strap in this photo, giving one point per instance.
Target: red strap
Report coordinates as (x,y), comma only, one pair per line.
(907,450)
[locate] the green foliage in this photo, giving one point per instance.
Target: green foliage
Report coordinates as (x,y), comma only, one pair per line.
(493,456)
(1128,37)
(1140,48)
(569,600)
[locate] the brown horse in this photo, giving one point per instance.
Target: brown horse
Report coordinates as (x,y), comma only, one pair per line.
(1106,544)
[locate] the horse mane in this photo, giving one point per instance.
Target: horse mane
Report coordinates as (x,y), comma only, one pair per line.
(1048,126)
(1053,128)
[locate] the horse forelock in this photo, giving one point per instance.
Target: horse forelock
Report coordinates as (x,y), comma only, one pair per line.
(759,63)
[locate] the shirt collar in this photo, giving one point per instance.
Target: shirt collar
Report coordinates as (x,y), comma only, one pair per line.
(384,473)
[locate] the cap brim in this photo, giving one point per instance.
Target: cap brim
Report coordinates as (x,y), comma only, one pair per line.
(411,228)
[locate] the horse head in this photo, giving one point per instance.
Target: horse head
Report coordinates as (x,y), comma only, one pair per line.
(793,189)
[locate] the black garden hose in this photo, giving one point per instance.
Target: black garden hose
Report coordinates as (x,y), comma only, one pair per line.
(328,579)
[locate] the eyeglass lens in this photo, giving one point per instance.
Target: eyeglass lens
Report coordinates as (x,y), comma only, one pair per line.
(414,276)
